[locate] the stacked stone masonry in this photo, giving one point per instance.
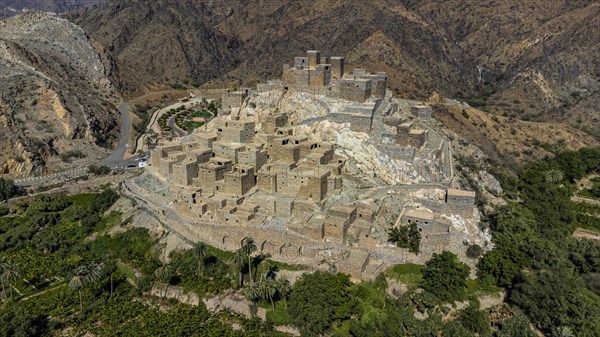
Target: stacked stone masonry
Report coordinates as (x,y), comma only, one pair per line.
(315,72)
(256,175)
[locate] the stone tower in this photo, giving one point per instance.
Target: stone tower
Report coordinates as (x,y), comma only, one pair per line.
(314,57)
(337,67)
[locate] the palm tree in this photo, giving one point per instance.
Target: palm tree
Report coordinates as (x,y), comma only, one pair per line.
(238,260)
(562,331)
(249,247)
(264,267)
(93,273)
(268,290)
(10,273)
(163,274)
(283,286)
(83,276)
(253,292)
(200,250)
(76,283)
(267,270)
(554,176)
(3,263)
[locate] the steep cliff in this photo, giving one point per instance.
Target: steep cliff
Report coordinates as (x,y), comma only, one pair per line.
(56,103)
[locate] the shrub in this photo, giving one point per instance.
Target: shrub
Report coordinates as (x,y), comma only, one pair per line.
(474,251)
(445,276)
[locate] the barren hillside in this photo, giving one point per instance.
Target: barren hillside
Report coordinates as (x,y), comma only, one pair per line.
(535,60)
(56,103)
(13,7)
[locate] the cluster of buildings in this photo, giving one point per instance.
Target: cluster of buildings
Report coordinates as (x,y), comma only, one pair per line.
(318,74)
(221,169)
(273,184)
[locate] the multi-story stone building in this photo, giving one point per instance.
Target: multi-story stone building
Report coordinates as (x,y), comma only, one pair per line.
(315,73)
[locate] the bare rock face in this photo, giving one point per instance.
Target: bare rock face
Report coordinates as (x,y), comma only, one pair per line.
(232,302)
(490,183)
(55,96)
(14,7)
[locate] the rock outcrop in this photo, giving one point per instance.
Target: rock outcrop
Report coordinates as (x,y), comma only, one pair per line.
(55,97)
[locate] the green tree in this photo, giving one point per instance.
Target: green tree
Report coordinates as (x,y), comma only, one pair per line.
(249,247)
(164,274)
(105,200)
(502,265)
(562,331)
(414,238)
(17,322)
(474,251)
(3,263)
(268,290)
(445,276)
(266,269)
(253,292)
(283,287)
(475,320)
(399,236)
(455,329)
(238,262)
(552,299)
(82,276)
(7,189)
(516,326)
(319,299)
(200,251)
(10,274)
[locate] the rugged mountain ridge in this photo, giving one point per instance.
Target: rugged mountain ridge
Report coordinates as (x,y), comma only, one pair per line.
(56,102)
(154,42)
(10,8)
(532,59)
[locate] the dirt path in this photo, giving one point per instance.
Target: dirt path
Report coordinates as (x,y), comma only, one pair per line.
(43,292)
(586,234)
(586,200)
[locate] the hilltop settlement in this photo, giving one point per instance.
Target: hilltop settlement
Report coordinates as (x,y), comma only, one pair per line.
(318,167)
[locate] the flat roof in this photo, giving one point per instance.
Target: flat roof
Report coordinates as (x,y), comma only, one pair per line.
(342,209)
(220,159)
(205,135)
(460,193)
(419,214)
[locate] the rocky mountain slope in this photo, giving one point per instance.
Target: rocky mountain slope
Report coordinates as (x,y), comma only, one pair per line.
(56,102)
(532,59)
(13,7)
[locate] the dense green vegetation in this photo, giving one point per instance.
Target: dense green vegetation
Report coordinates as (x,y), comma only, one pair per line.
(185,120)
(61,269)
(406,237)
(445,277)
(548,274)
(7,189)
(183,116)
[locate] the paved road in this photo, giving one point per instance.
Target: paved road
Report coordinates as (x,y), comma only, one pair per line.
(114,160)
(171,123)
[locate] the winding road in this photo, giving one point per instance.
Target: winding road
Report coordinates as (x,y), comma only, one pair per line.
(171,123)
(114,160)
(116,157)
